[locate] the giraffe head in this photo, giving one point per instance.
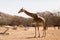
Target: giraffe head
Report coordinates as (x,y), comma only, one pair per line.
(21,10)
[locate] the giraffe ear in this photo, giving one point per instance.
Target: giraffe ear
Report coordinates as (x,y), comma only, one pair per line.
(22,7)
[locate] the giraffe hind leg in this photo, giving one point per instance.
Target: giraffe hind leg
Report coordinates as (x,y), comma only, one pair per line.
(44,33)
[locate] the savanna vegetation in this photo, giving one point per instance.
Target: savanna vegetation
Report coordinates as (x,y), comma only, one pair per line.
(6,19)
(52,19)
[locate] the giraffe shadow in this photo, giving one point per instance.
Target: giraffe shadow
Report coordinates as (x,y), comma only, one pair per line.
(4,33)
(31,37)
(34,37)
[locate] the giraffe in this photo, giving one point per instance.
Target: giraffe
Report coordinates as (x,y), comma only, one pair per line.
(37,19)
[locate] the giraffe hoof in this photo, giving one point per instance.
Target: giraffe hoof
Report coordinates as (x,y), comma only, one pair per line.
(34,36)
(38,36)
(43,36)
(7,33)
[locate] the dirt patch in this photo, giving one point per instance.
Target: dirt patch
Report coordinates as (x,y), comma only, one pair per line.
(21,34)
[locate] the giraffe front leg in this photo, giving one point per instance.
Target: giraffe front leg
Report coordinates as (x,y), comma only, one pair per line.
(38,32)
(35,32)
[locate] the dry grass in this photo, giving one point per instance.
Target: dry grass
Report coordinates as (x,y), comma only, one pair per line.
(21,34)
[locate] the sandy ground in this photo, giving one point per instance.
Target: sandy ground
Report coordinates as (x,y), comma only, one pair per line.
(21,34)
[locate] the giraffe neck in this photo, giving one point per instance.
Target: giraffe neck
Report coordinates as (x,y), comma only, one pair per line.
(30,14)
